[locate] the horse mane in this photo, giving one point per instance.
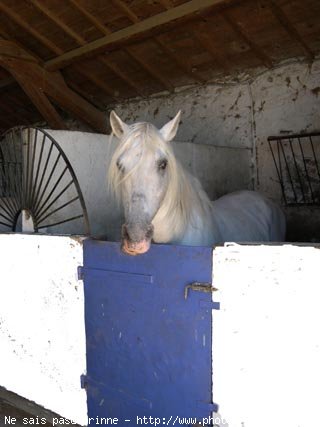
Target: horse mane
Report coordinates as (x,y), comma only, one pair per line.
(185,202)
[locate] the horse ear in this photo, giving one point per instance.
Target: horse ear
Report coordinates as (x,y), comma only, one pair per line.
(117,125)
(169,130)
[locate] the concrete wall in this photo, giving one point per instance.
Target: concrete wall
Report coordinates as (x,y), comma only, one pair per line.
(42,331)
(266,344)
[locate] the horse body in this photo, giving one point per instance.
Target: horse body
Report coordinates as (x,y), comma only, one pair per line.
(163,202)
(242,216)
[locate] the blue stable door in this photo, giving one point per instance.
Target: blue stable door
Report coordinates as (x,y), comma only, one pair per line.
(148,335)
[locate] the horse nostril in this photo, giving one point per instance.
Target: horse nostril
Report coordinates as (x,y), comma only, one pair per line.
(137,234)
(149,232)
(125,233)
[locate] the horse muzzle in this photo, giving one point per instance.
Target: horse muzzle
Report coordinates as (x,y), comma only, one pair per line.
(136,245)
(135,248)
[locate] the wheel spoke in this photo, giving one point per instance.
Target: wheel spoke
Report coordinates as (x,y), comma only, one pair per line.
(38,169)
(58,196)
(61,222)
(43,174)
(58,209)
(39,211)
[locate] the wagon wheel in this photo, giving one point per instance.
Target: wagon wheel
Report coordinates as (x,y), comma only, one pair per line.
(38,187)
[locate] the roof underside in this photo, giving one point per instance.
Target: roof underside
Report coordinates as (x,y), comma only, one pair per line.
(82,56)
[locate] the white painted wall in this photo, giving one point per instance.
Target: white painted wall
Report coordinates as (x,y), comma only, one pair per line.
(42,331)
(266,342)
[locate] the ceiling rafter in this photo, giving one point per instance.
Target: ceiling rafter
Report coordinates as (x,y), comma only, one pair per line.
(8,81)
(39,84)
(54,48)
(134,30)
(209,44)
(266,61)
(179,61)
(206,44)
(15,106)
(130,51)
(5,35)
(290,29)
(157,39)
(40,101)
(117,70)
(81,41)
(167,4)
(157,75)
(95,21)
(86,72)
(56,20)
(46,41)
(105,30)
(28,28)
(79,89)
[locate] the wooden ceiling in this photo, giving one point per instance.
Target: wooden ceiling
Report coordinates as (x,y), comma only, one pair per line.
(79,57)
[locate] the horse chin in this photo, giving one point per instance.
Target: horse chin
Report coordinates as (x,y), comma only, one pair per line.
(135,248)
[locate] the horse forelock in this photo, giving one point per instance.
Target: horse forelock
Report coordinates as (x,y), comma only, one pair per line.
(141,135)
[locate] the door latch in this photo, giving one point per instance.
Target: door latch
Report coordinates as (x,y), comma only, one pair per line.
(199,286)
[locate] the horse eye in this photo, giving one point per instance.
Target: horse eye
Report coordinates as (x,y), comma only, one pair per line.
(120,166)
(162,164)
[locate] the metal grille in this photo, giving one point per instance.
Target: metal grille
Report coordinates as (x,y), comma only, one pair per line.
(296,158)
(37,177)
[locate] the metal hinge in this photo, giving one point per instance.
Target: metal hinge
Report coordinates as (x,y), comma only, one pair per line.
(80,272)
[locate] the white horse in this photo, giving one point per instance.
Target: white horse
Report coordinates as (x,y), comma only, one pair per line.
(163,203)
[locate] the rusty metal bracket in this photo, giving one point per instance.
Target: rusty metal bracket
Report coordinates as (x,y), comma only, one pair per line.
(199,286)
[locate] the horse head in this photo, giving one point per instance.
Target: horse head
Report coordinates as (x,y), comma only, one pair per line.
(139,174)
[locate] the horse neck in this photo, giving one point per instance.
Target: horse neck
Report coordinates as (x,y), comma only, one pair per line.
(190,208)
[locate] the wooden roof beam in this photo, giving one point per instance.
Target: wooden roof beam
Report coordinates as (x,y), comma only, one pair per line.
(150,69)
(38,82)
(81,41)
(290,29)
(5,35)
(179,61)
(105,30)
(79,89)
(209,45)
(136,29)
(41,102)
(16,108)
(54,18)
(126,10)
(118,72)
(134,19)
(28,28)
(95,21)
(8,81)
(96,80)
(267,62)
(167,4)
